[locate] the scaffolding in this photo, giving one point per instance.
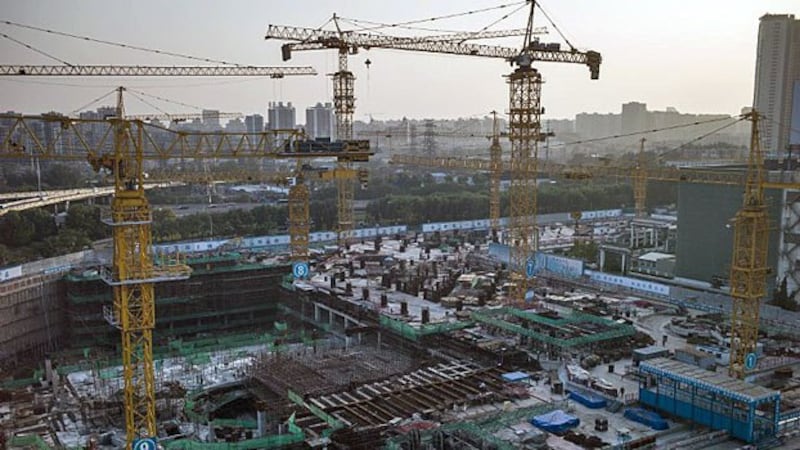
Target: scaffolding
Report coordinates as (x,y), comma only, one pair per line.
(415,333)
(225,293)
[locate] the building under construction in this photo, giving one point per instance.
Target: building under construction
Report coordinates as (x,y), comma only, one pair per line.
(403,342)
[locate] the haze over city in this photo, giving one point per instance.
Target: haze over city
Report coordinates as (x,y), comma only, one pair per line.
(373,258)
(694,56)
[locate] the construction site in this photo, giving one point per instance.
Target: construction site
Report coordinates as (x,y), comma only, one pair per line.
(472,334)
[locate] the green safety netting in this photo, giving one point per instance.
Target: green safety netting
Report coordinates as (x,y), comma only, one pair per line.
(414,333)
(614,330)
(29,441)
(483,428)
(273,441)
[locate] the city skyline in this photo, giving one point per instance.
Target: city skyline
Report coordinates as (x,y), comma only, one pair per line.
(674,61)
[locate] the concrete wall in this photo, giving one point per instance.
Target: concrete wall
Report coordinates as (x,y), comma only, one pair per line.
(705,229)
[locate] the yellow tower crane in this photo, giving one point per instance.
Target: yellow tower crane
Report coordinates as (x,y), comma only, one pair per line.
(749,260)
(123,147)
(348,43)
(524,107)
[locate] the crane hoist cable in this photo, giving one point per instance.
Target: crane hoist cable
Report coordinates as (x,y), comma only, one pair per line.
(139,97)
(32,48)
(495,22)
(701,137)
(782,124)
(123,45)
(375,27)
(643,132)
(654,130)
(558,30)
(97,100)
(379,25)
(163,99)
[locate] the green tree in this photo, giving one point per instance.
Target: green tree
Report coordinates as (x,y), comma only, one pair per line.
(585,250)
(86,218)
(16,230)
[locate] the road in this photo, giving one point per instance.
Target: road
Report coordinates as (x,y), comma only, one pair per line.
(203,208)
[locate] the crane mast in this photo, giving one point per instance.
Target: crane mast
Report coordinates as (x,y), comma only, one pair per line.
(495,173)
(132,277)
(344,103)
(524,124)
(640,183)
(749,267)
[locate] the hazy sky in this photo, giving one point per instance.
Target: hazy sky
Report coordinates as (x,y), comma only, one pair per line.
(697,56)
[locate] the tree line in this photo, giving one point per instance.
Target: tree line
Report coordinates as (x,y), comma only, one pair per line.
(393,197)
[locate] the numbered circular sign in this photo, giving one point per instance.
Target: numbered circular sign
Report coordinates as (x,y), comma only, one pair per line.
(144,444)
(300,270)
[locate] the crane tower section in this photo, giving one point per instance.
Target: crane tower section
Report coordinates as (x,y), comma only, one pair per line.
(749,267)
(525,85)
(495,173)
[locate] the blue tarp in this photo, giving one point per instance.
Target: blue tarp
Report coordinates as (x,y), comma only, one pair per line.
(588,400)
(515,376)
(649,418)
(555,422)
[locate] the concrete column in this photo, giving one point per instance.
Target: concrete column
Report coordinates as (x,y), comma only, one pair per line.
(261,419)
(316,313)
(602,259)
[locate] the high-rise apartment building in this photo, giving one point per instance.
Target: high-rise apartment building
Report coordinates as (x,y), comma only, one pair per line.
(211,120)
(320,121)
(254,123)
(280,116)
(634,117)
(777,81)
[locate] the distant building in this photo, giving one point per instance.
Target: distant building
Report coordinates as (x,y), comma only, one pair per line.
(254,123)
(634,117)
(235,126)
(593,125)
(320,121)
(559,126)
(280,116)
(777,83)
(211,119)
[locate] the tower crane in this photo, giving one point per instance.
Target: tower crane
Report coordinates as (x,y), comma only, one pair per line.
(749,267)
(348,43)
(524,107)
(123,147)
